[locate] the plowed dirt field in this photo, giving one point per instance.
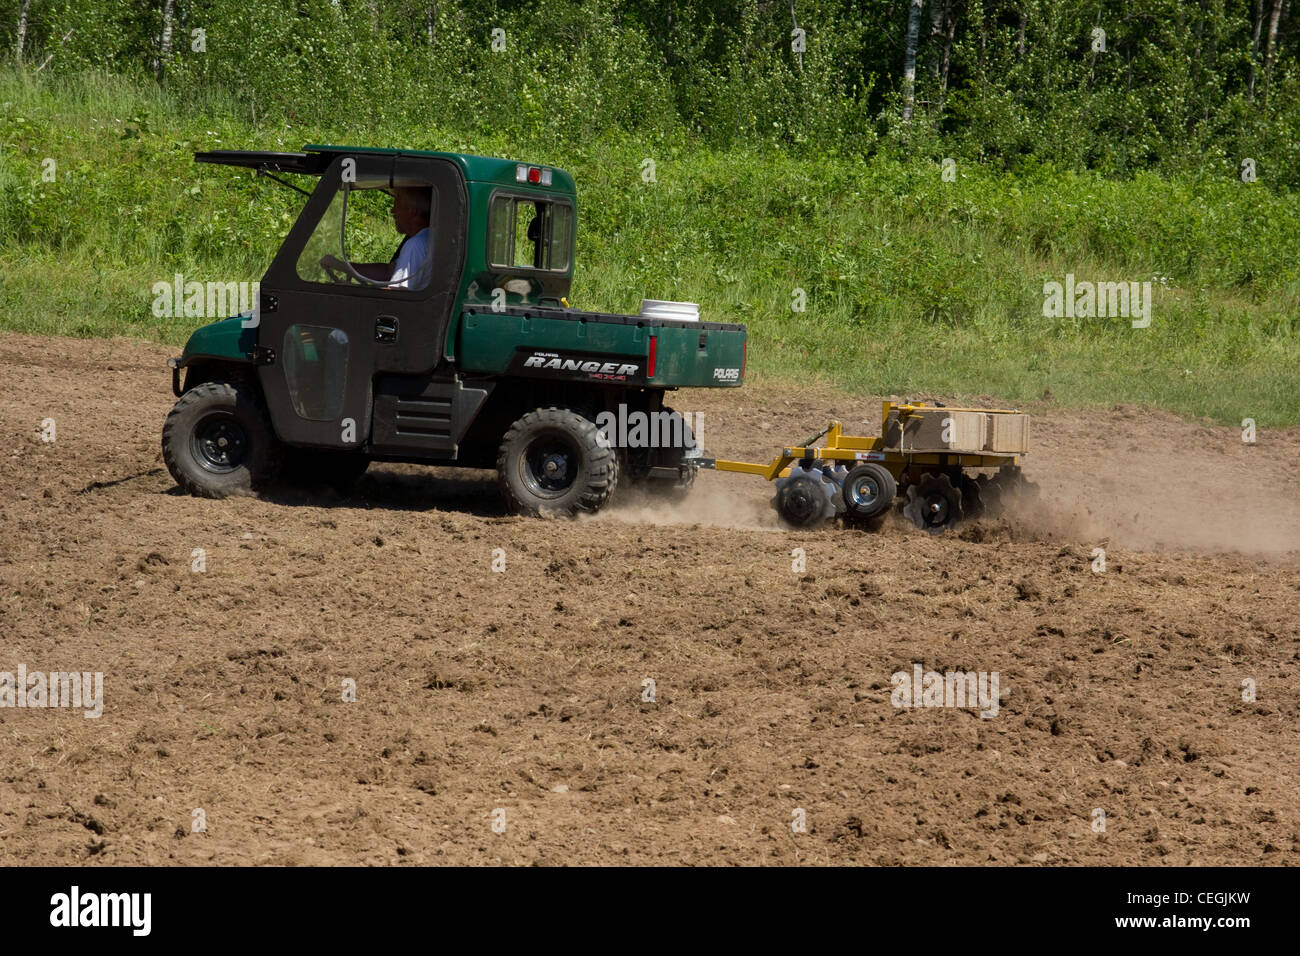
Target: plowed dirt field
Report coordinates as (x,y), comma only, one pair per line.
(503,716)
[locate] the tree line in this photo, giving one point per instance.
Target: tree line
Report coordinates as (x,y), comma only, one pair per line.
(1107,85)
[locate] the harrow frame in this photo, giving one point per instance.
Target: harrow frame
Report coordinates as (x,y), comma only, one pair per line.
(931,473)
(853,448)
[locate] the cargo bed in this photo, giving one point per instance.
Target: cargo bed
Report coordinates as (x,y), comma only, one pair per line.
(542,342)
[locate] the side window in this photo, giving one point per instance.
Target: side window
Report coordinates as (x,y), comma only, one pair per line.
(529,234)
(373,236)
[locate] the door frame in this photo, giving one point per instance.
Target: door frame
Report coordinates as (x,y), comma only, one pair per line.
(421,317)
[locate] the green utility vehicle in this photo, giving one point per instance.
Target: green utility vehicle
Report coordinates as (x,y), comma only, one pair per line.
(459,350)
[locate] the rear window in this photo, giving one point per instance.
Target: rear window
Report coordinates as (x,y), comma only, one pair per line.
(529,233)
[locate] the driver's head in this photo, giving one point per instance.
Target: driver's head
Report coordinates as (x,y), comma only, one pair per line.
(411,209)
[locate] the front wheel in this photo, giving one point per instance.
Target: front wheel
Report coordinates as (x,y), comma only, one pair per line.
(217,441)
(552,463)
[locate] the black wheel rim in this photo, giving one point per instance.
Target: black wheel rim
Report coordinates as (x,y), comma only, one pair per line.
(550,465)
(220,443)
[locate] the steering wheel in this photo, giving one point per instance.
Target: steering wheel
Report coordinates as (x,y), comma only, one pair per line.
(337,276)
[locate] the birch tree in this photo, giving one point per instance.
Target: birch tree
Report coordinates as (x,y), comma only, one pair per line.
(909,60)
(22,31)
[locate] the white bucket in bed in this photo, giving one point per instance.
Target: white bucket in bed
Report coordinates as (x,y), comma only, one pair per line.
(681,311)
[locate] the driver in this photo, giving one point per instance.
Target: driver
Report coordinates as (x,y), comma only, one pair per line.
(410,267)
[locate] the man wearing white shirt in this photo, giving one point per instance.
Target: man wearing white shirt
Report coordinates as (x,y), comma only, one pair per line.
(410,267)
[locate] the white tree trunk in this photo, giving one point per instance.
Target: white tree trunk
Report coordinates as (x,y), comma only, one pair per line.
(165,42)
(1272,39)
(909,60)
(22,30)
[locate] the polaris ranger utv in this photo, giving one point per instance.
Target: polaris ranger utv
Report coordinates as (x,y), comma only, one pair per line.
(473,359)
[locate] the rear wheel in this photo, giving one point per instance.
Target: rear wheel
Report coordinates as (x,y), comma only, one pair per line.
(218,442)
(553,464)
(636,470)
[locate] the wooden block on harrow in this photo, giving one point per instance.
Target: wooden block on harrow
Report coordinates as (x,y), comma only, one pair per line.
(1008,433)
(942,429)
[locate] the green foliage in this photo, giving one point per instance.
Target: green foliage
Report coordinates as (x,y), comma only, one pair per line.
(1174,86)
(775,170)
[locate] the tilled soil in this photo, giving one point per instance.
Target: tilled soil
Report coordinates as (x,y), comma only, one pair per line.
(506,716)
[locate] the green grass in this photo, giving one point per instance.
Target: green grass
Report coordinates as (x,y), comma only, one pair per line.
(914,286)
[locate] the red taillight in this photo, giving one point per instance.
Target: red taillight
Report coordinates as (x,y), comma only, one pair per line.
(532,174)
(654,352)
(744,357)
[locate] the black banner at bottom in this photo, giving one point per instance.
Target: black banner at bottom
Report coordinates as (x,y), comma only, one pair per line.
(947,905)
